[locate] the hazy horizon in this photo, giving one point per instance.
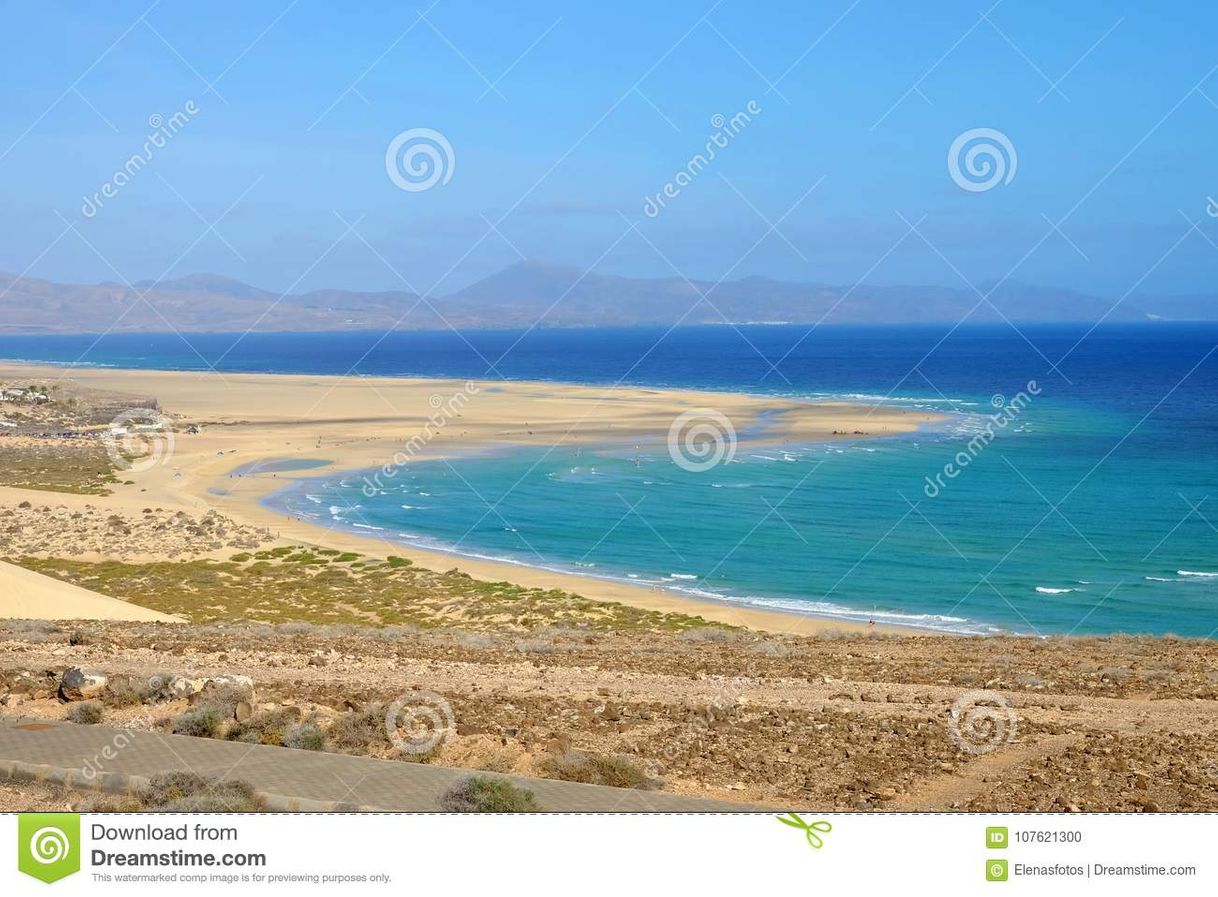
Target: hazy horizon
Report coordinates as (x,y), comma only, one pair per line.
(560,130)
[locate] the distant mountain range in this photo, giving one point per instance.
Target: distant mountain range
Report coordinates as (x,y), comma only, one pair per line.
(550,296)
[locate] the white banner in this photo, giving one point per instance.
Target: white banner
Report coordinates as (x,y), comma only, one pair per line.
(559,854)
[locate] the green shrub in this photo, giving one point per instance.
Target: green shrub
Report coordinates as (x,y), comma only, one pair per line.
(203,723)
(305,737)
(87,714)
(267,727)
(357,731)
(122,692)
(158,688)
(488,794)
(186,792)
(169,786)
(394,561)
(599,769)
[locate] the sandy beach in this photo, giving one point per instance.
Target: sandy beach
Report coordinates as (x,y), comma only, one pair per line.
(366,422)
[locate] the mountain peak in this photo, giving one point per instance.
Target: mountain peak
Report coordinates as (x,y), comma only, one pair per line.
(205,283)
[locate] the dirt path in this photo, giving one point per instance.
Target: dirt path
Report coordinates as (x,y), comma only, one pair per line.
(957,788)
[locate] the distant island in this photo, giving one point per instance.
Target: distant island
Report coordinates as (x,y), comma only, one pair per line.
(532,293)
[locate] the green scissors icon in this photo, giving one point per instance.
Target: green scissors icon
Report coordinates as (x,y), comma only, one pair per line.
(809,829)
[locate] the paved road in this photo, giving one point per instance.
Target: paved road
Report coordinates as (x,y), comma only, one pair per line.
(309,775)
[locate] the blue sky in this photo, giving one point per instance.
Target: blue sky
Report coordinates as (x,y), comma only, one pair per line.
(564,117)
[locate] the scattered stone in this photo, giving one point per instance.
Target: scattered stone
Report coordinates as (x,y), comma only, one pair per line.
(80,684)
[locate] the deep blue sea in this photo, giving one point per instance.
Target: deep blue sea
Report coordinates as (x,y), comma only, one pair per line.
(1090,511)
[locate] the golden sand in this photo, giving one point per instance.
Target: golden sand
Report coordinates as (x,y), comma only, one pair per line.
(367,422)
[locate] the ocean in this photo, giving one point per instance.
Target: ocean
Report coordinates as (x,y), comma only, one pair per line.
(1069,490)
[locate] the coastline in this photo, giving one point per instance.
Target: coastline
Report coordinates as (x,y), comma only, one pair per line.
(273,501)
(360,423)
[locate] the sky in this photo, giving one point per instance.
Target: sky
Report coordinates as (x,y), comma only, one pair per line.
(557,121)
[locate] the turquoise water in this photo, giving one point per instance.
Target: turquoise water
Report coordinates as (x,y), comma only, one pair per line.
(840,529)
(1089,513)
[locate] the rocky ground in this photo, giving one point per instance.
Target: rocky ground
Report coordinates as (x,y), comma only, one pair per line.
(58,530)
(27,797)
(1001,724)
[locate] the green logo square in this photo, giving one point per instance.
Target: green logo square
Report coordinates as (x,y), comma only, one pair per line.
(48,845)
(996,837)
(995,870)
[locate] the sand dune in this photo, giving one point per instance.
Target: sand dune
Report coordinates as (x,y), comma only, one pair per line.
(25,595)
(358,423)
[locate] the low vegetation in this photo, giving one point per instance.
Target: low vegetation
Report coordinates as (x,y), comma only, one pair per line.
(305,737)
(87,713)
(315,586)
(488,794)
(77,466)
(205,723)
(599,769)
(181,792)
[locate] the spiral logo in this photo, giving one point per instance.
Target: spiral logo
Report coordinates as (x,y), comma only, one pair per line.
(718,120)
(418,159)
(701,439)
(419,721)
(155,120)
(139,439)
(998,400)
(982,721)
(435,401)
(981,159)
(49,845)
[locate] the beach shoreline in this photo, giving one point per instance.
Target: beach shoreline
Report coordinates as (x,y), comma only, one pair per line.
(367,423)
